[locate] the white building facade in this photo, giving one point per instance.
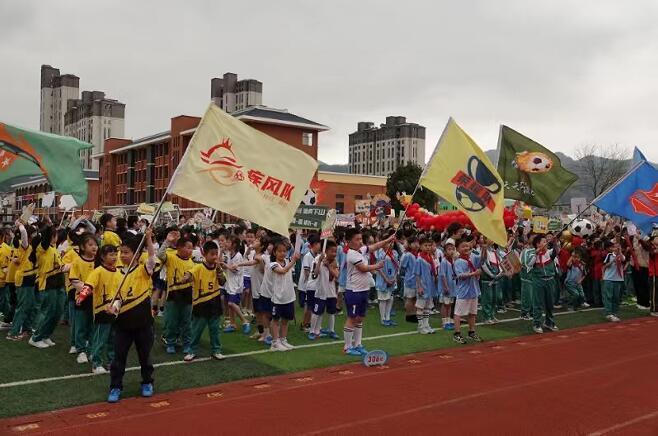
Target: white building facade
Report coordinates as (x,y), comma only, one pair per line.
(233,95)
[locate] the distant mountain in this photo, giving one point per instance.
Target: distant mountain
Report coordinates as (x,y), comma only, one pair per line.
(336,168)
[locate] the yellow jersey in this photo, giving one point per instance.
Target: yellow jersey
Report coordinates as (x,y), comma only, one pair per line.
(5,259)
(68,257)
(176,269)
(205,291)
(80,270)
(135,299)
(111,238)
(12,266)
(26,271)
(49,271)
(104,283)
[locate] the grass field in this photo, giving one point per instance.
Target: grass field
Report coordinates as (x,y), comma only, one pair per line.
(20,362)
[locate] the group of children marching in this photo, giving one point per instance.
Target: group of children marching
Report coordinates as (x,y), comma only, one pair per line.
(111,286)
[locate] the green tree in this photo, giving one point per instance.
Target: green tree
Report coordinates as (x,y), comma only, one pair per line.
(405,179)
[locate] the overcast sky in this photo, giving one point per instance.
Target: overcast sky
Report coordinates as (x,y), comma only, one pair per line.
(565,73)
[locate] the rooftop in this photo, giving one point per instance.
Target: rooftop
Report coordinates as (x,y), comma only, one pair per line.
(276,116)
(357,179)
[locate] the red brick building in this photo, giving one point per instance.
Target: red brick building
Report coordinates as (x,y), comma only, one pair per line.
(340,190)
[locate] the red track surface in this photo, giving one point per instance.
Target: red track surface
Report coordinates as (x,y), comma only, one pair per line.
(597,380)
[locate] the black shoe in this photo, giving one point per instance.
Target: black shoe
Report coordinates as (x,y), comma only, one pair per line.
(473,336)
(457,337)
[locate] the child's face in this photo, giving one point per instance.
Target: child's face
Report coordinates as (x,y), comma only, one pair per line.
(126,255)
(112,224)
(330,254)
(110,259)
(186,250)
(356,242)
(464,248)
(249,238)
(315,247)
(211,257)
(280,252)
(90,248)
(450,251)
(427,247)
(222,242)
(414,245)
(542,244)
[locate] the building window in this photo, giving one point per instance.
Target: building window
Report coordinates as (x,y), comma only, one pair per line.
(358,197)
(340,196)
(340,207)
(307,138)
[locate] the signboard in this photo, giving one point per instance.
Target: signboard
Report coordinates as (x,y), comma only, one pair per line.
(540,224)
(510,264)
(578,205)
(48,199)
(27,213)
(345,219)
(328,225)
(309,217)
(375,358)
(67,202)
(167,206)
(145,209)
(554,225)
(362,206)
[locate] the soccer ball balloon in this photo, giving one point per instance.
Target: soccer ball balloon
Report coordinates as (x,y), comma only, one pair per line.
(582,227)
(309,198)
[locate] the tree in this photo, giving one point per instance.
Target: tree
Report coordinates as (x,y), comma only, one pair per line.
(405,179)
(600,166)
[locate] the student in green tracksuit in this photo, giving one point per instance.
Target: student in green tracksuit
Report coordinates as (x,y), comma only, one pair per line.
(490,281)
(613,280)
(206,301)
(574,279)
(543,285)
(528,254)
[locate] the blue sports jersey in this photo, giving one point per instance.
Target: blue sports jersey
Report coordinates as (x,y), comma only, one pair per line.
(389,270)
(340,258)
(611,272)
(427,278)
(447,270)
(408,263)
(469,287)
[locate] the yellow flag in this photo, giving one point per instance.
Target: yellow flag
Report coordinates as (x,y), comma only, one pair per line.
(237,169)
(462,174)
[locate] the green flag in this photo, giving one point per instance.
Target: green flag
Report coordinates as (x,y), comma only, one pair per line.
(29,153)
(530,172)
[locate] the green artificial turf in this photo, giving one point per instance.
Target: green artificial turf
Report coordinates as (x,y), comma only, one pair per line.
(22,362)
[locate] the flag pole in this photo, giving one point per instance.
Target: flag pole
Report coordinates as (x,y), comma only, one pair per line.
(137,252)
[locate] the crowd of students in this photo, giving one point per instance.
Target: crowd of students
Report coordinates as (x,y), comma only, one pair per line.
(108,281)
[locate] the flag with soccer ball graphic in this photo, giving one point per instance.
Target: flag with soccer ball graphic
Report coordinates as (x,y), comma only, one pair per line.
(531,172)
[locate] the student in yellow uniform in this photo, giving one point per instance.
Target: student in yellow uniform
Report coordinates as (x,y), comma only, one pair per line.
(69,255)
(82,320)
(50,284)
(134,323)
(109,224)
(178,310)
(23,272)
(206,301)
(7,292)
(101,286)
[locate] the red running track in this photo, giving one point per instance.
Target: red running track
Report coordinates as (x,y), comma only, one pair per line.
(601,379)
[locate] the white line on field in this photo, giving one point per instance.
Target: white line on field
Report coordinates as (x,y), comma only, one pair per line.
(247,353)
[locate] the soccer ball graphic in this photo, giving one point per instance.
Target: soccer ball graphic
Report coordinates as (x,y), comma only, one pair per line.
(309,198)
(533,162)
(582,227)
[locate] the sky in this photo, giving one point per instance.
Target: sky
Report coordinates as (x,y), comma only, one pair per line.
(565,73)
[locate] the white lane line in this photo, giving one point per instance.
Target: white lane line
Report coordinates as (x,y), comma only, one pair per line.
(247,353)
(624,424)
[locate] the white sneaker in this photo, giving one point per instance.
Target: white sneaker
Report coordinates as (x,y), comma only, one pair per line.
(489,322)
(285,343)
(615,318)
(423,331)
(538,330)
(585,305)
(218,356)
(653,313)
(642,307)
(278,346)
(430,330)
(612,318)
(99,370)
(37,344)
(49,342)
(189,357)
(73,350)
(82,358)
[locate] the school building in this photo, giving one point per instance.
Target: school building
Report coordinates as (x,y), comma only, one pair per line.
(341,190)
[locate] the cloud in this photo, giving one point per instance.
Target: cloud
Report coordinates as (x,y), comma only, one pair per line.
(565,73)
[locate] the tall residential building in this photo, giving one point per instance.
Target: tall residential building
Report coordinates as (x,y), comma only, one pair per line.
(381,150)
(56,90)
(94,118)
(232,94)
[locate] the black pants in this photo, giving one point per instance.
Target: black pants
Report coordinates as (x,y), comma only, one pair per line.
(653,297)
(123,339)
(9,317)
(641,283)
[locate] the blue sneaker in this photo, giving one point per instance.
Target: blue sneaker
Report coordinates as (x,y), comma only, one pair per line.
(246,329)
(450,326)
(361,349)
(171,349)
(229,329)
(392,312)
(324,331)
(333,335)
(147,390)
(384,323)
(268,341)
(392,323)
(312,336)
(353,352)
(115,396)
